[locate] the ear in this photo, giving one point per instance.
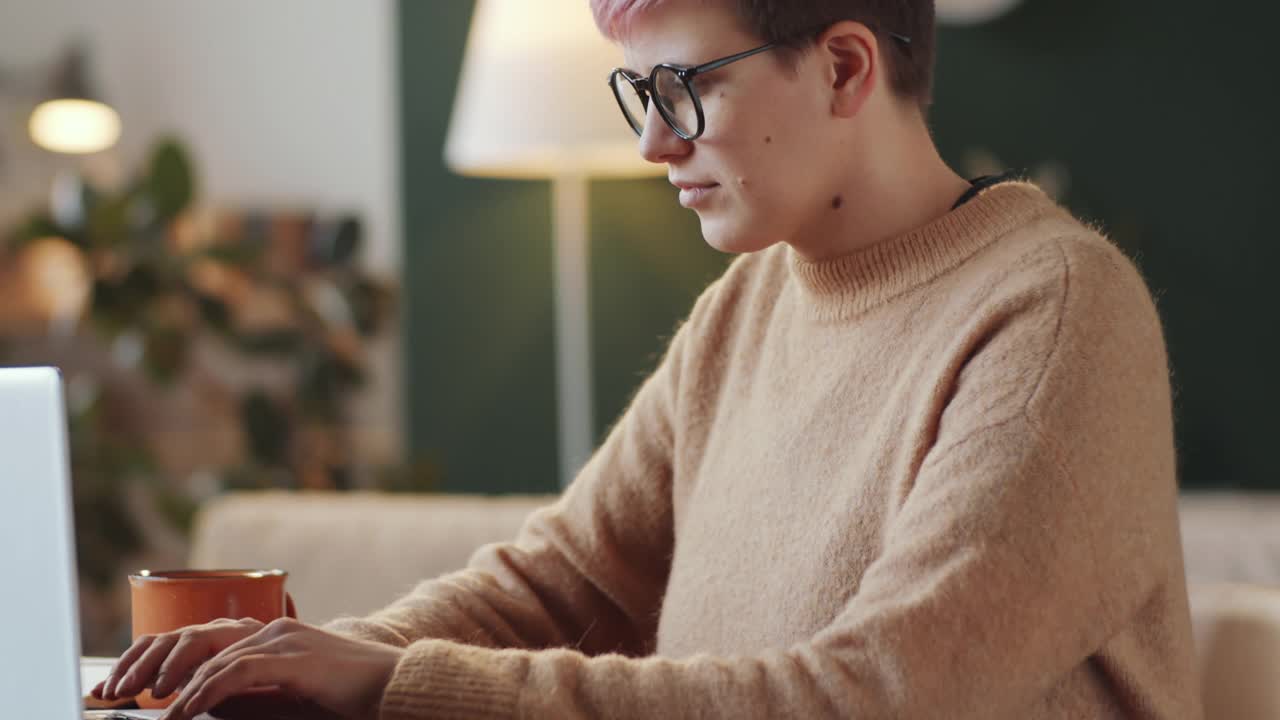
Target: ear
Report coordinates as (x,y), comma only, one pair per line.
(849,54)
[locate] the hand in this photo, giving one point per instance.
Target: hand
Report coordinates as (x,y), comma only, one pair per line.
(164,662)
(344,676)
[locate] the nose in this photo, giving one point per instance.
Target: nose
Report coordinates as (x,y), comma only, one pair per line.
(659,143)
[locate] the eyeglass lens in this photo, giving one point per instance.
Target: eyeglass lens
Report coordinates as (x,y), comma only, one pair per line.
(672,96)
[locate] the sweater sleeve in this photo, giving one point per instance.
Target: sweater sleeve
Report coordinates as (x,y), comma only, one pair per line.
(586,572)
(1029,539)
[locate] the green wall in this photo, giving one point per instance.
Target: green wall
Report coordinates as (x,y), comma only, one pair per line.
(1162,114)
(1165,114)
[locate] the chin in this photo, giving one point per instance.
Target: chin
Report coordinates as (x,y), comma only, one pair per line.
(736,237)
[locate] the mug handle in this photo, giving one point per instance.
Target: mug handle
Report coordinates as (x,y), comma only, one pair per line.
(290,609)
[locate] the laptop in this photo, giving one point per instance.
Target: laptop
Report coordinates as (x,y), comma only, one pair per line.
(40,663)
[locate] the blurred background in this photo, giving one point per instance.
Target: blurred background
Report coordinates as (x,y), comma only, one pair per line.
(258,271)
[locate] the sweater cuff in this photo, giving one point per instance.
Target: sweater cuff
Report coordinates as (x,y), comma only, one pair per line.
(438,678)
(365,630)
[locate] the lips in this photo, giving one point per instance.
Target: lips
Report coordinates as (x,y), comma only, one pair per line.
(691,184)
(693,194)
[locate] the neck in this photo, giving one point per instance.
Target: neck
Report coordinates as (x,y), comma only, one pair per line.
(900,185)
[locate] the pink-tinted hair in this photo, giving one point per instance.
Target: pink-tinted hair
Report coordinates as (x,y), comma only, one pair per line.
(614,17)
(792,23)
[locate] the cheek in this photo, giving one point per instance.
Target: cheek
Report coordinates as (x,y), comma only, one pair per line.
(771,172)
(737,120)
(762,152)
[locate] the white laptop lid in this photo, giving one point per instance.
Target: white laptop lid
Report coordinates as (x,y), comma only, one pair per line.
(39,607)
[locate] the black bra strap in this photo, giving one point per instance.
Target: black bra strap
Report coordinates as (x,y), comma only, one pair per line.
(979,184)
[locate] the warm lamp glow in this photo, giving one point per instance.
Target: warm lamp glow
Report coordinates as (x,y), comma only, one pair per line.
(57,278)
(533,101)
(972,12)
(74,126)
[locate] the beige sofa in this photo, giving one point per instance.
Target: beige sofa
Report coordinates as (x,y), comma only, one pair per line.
(353,553)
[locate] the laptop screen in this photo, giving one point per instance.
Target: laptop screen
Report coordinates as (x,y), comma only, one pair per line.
(39,609)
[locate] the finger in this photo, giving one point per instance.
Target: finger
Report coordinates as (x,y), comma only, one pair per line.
(244,673)
(192,649)
(144,669)
(256,644)
(264,634)
(96,692)
(197,645)
(169,683)
(123,665)
(179,684)
(176,691)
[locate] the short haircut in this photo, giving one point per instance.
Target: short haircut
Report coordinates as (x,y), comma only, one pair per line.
(795,24)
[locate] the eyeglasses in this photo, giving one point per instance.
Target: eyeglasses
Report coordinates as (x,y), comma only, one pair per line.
(672,86)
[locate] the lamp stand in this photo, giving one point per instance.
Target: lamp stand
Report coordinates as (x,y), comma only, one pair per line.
(572,324)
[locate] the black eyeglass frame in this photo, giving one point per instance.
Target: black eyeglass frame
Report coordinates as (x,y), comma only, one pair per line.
(644,86)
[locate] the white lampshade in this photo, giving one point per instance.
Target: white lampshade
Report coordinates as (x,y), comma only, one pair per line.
(74,125)
(73,119)
(533,98)
(972,12)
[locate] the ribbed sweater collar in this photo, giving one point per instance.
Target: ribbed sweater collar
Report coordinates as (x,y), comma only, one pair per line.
(852,284)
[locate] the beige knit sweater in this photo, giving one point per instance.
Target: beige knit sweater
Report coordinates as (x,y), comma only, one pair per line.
(934,479)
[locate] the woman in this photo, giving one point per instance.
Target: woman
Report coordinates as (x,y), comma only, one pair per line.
(910,457)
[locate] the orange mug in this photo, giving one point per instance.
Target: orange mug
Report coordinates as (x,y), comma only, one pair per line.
(167,600)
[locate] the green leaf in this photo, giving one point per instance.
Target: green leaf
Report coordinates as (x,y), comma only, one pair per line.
(317,386)
(278,343)
(108,224)
(335,242)
(37,226)
(214,312)
(266,427)
(178,509)
(370,304)
(323,382)
(108,310)
(238,254)
(170,185)
(123,303)
(165,354)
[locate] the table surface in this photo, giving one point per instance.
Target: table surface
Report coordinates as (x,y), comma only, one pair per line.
(94,670)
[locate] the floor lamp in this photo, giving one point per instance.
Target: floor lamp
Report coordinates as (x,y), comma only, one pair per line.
(533,103)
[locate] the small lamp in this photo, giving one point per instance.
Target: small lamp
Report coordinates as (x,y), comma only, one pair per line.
(533,102)
(73,120)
